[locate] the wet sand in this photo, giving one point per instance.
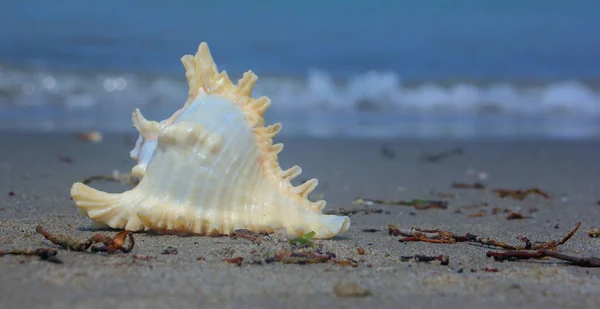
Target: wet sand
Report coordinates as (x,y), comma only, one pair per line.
(39,169)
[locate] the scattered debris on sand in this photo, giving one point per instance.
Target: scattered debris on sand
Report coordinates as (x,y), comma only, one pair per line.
(528,250)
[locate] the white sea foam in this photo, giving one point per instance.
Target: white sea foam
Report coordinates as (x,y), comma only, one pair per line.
(312,104)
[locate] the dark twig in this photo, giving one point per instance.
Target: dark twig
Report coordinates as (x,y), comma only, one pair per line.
(542,253)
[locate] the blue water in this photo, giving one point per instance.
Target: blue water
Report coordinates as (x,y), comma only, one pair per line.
(346,67)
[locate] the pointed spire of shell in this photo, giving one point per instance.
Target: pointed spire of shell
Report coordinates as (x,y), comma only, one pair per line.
(143,125)
(203,77)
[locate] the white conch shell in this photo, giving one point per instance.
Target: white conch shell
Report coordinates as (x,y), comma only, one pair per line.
(211,168)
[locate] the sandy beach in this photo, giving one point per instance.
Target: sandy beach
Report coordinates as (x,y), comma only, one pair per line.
(36,172)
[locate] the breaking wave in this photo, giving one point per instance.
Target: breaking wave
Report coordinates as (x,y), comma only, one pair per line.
(64,100)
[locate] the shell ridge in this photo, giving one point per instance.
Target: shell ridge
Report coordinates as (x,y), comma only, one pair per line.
(246,217)
(222,211)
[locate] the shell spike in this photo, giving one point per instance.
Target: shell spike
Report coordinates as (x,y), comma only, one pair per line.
(305,189)
(223,84)
(291,173)
(191,76)
(246,84)
(269,131)
(277,148)
(143,125)
(260,105)
(319,205)
(112,209)
(205,67)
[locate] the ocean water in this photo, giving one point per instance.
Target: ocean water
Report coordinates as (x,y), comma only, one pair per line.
(359,68)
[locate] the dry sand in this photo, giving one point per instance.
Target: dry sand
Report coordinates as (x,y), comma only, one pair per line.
(568,171)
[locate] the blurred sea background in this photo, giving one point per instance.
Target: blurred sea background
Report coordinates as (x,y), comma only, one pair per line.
(366,69)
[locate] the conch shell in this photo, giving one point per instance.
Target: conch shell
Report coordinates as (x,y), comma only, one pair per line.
(211,168)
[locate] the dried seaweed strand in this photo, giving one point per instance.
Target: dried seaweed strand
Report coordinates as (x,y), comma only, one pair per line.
(446,237)
(417,203)
(444,259)
(350,212)
(472,206)
(475,185)
(304,260)
(520,194)
(346,262)
(301,258)
(111,245)
(478,214)
(516,216)
(246,234)
(237,260)
(42,253)
(543,253)
(515,194)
